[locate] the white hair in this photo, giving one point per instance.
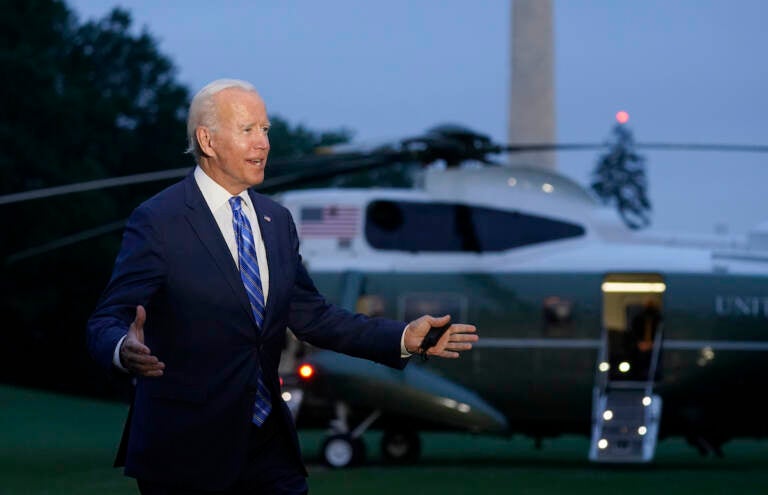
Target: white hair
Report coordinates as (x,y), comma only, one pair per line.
(202,110)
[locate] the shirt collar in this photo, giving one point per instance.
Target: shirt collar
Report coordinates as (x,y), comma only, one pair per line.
(215,195)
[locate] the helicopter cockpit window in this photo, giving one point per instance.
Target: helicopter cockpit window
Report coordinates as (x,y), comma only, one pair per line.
(454,227)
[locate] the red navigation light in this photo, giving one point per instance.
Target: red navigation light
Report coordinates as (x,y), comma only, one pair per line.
(281,381)
(622,117)
(306,371)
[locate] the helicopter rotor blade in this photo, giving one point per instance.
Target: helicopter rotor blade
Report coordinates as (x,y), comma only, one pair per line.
(738,148)
(521,148)
(454,144)
(326,166)
(333,166)
(92,185)
(65,241)
(741,148)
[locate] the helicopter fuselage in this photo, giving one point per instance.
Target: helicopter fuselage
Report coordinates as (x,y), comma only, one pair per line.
(524,256)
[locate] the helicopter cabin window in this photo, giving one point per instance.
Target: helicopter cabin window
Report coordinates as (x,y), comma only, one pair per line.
(454,227)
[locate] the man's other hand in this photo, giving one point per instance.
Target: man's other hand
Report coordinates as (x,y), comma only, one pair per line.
(134,355)
(457,338)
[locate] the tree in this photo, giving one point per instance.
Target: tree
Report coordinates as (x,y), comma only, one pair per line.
(80,101)
(288,141)
(84,101)
(619,178)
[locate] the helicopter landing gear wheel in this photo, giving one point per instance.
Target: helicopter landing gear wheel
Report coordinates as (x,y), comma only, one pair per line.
(400,446)
(342,450)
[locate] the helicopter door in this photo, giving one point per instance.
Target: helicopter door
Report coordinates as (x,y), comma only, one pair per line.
(625,412)
(632,314)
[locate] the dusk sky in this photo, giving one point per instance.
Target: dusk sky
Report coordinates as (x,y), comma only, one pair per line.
(685,70)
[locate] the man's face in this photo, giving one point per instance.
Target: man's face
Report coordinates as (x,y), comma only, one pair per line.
(239,144)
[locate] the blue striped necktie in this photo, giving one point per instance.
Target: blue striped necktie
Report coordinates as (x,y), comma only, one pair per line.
(249,273)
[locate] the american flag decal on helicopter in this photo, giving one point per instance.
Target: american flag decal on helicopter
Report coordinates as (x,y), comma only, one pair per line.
(335,221)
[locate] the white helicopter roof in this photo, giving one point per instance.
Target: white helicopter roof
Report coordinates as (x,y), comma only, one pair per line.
(525,188)
(528,188)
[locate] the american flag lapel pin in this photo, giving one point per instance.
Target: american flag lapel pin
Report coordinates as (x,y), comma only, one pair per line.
(268,219)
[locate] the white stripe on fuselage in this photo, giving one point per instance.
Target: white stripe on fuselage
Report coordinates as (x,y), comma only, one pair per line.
(689,345)
(570,256)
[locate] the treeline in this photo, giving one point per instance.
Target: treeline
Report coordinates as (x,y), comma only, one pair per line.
(81,101)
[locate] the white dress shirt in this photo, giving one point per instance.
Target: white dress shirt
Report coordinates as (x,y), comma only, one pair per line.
(217,199)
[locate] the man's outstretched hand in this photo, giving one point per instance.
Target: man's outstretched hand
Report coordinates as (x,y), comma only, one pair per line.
(134,355)
(457,338)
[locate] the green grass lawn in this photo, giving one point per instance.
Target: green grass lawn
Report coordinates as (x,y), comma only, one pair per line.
(53,444)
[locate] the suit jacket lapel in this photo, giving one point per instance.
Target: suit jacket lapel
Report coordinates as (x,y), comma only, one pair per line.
(207,230)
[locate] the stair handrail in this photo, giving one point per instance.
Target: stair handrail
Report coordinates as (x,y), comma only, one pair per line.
(655,354)
(601,377)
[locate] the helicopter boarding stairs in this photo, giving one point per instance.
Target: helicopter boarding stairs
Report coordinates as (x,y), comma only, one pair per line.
(625,413)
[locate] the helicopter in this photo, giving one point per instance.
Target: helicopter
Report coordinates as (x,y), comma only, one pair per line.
(554,281)
(557,286)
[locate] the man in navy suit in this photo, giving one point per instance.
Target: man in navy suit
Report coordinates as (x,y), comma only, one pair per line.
(181,315)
